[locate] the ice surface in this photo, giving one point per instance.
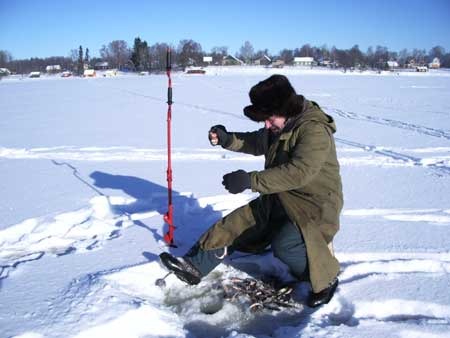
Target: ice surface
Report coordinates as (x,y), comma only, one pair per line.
(83,166)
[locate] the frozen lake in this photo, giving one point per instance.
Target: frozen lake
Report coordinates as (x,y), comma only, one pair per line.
(84,188)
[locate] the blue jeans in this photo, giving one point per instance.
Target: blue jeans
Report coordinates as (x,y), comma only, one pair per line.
(287,245)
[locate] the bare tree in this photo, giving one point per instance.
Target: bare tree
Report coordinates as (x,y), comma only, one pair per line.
(306,50)
(73,54)
(325,52)
(5,58)
(116,53)
(403,57)
(445,62)
(343,58)
(218,53)
(356,56)
(381,57)
(419,56)
(287,55)
(189,53)
(436,52)
(246,52)
(158,53)
(260,53)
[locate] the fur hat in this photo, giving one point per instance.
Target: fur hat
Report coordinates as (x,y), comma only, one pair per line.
(273,96)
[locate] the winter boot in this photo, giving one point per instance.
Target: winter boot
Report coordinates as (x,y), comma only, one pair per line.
(324,296)
(182,268)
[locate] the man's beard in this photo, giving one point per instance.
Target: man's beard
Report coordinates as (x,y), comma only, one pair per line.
(275,130)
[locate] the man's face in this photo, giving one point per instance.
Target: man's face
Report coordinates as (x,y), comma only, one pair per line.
(275,123)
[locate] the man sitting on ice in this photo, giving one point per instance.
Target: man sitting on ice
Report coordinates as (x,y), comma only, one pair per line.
(300,201)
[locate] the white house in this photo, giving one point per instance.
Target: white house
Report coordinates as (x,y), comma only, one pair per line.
(421,69)
(4,72)
(304,61)
(89,73)
(392,64)
(34,74)
(53,69)
(435,64)
(207,59)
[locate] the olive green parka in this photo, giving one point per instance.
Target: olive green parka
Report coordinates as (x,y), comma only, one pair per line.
(302,172)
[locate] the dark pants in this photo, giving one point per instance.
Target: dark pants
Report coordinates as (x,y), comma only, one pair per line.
(287,245)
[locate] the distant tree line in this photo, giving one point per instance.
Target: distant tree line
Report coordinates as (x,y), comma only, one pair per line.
(144,57)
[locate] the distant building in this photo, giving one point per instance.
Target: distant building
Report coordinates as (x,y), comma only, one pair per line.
(277,64)
(110,73)
(208,59)
(4,72)
(411,64)
(89,73)
(53,69)
(101,65)
(392,64)
(230,60)
(435,64)
(263,61)
(35,74)
(305,61)
(324,63)
(421,69)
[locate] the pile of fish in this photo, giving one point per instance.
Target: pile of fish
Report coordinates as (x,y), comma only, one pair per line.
(260,295)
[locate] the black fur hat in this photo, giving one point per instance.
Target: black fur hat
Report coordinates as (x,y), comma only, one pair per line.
(273,96)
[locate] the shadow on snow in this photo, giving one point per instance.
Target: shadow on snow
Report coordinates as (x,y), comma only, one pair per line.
(190,218)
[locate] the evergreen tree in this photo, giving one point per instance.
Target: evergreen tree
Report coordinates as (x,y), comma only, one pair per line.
(80,68)
(135,55)
(86,56)
(140,55)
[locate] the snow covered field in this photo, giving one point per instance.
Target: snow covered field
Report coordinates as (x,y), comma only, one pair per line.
(83,191)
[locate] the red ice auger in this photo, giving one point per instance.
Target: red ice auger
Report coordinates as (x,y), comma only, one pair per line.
(168,216)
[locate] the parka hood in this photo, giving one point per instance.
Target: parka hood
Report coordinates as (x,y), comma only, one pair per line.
(311,112)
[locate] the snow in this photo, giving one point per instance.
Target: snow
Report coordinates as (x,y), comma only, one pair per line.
(83,163)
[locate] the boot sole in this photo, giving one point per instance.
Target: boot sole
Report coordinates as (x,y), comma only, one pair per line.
(172,264)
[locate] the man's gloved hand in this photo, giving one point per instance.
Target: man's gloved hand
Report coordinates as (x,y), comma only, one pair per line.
(218,135)
(237,181)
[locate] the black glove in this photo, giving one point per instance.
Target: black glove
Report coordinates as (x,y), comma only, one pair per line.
(223,138)
(236,181)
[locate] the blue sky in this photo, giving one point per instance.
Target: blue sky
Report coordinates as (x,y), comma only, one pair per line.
(33,28)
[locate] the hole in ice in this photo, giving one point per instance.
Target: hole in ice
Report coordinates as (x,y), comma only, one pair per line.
(208,314)
(211,305)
